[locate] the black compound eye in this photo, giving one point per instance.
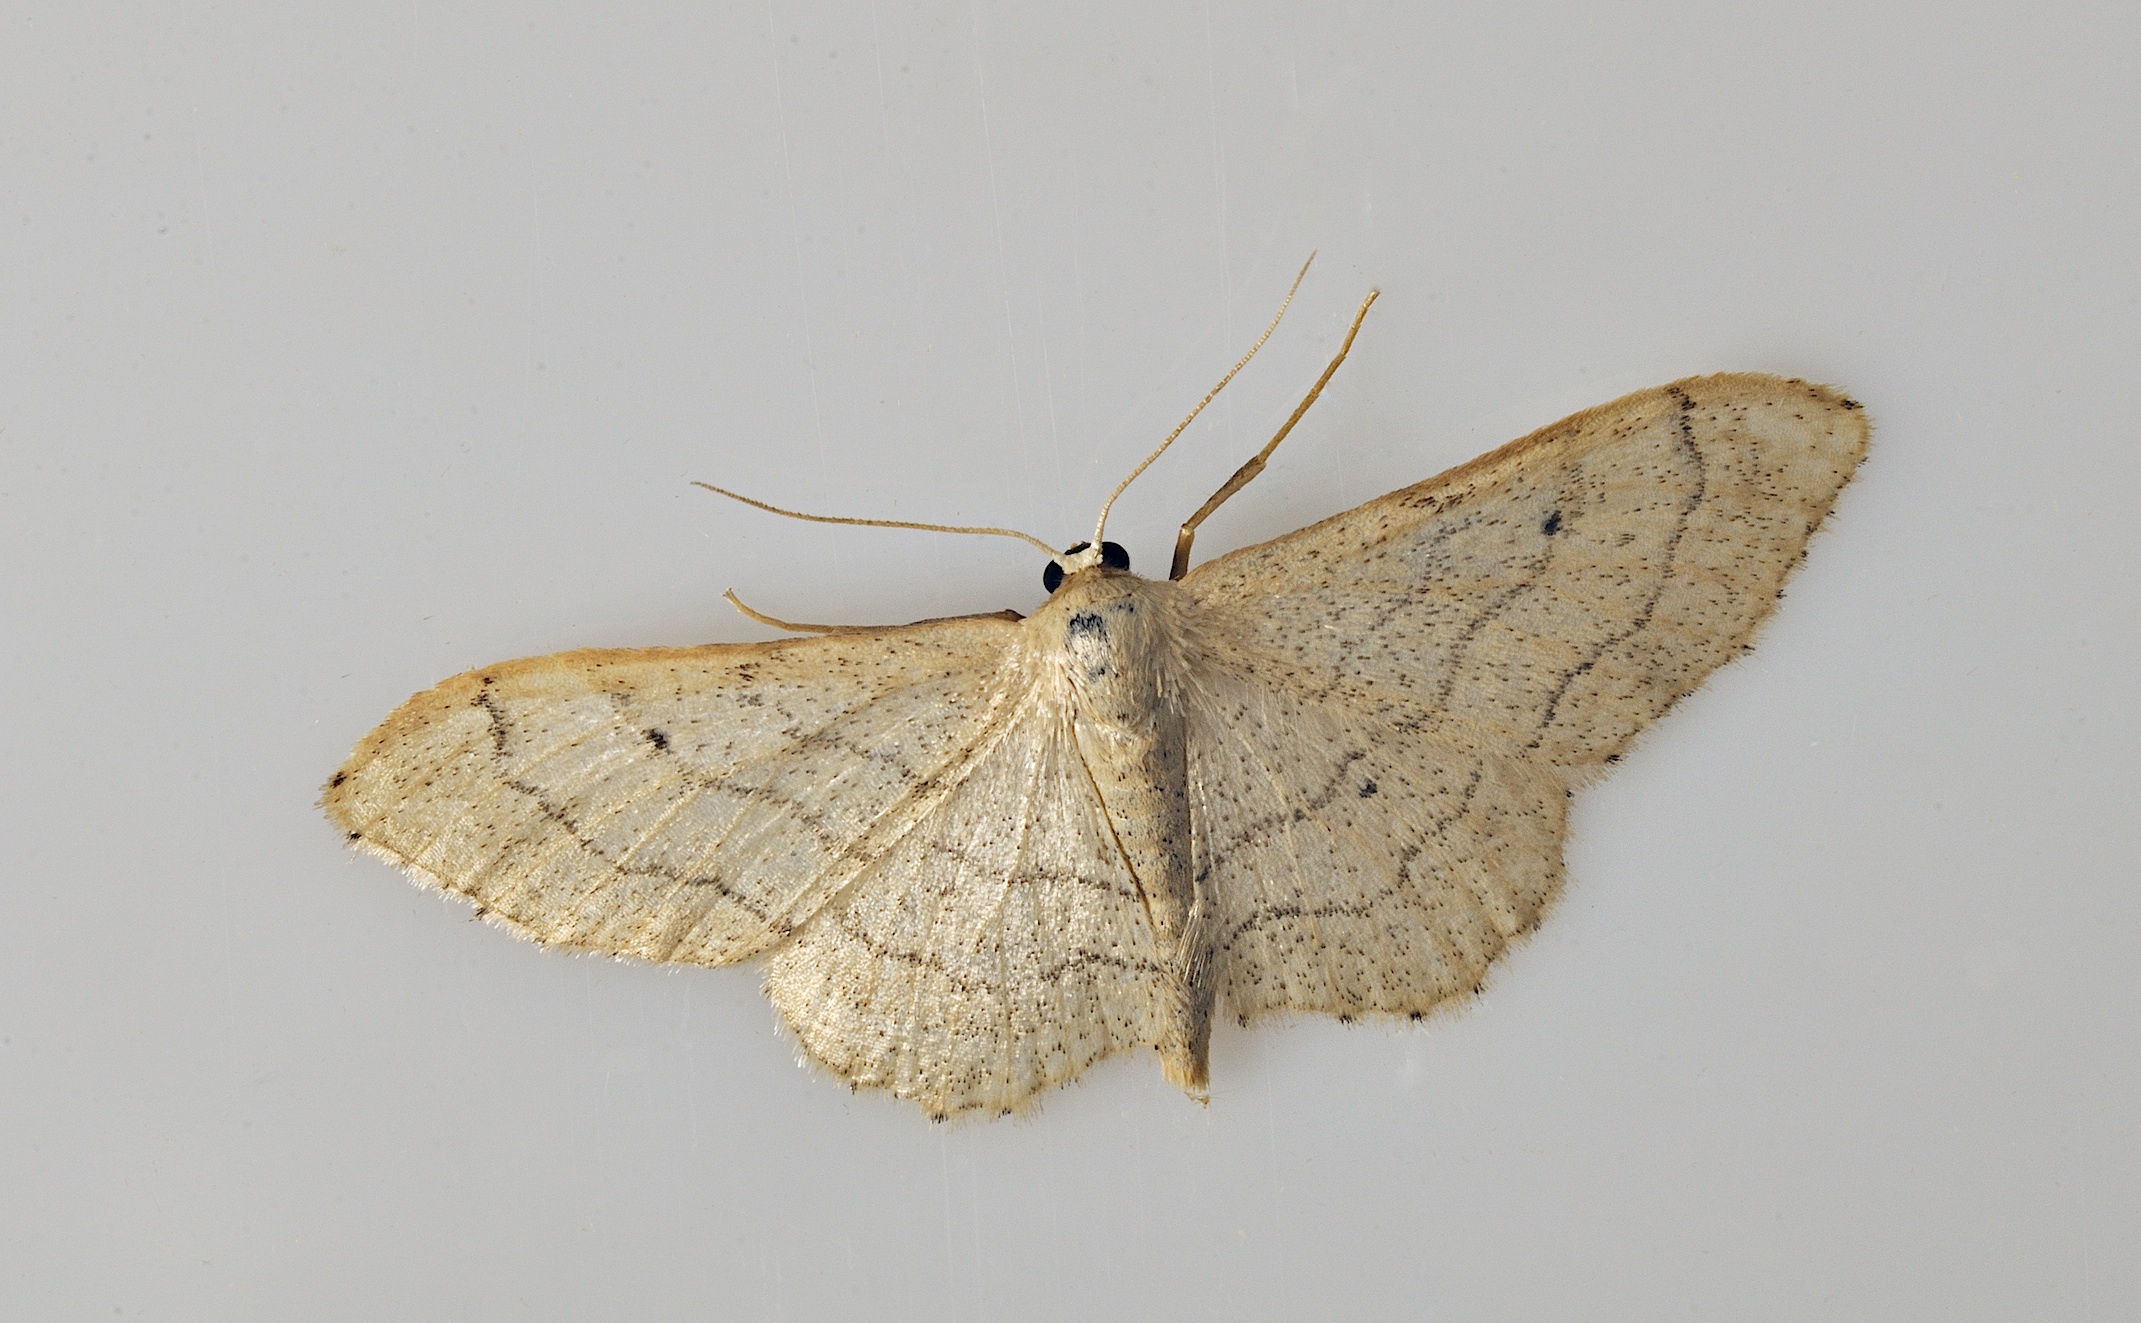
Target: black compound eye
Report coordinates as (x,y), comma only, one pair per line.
(1112,556)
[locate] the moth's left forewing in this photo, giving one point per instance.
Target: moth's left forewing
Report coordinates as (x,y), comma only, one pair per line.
(1556,595)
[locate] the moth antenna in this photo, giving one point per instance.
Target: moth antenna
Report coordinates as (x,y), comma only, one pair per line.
(1046,550)
(1102,527)
(1255,465)
(789,625)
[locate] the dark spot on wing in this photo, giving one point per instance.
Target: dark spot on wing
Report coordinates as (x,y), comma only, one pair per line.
(1552,524)
(1084,625)
(659,739)
(1367,788)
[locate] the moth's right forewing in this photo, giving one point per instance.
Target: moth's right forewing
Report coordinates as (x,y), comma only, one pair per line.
(1555,596)
(689,804)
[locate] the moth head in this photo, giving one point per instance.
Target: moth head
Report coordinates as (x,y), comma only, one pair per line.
(1083,556)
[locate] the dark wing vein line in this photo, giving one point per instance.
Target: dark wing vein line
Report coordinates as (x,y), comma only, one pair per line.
(1399,885)
(1671,551)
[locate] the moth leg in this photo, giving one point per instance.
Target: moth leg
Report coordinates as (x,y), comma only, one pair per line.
(1248,471)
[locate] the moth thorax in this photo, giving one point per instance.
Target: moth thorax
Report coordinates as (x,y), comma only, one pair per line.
(1119,648)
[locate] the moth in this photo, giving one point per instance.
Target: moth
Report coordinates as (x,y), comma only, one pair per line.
(1324,774)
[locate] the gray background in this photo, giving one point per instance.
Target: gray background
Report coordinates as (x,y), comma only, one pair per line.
(346,347)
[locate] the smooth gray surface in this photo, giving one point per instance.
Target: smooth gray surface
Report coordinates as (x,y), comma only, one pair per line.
(343,348)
